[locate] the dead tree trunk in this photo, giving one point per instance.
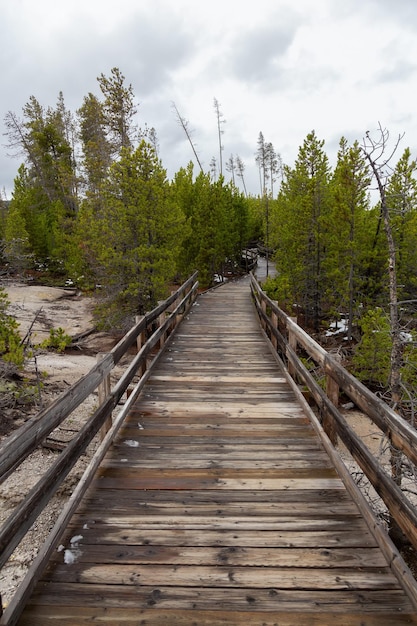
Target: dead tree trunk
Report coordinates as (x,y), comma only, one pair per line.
(375,153)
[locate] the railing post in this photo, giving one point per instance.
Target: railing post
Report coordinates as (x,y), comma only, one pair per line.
(161,320)
(178,318)
(141,338)
(181,311)
(332,392)
(170,310)
(292,342)
(263,309)
(172,307)
(104,389)
(274,323)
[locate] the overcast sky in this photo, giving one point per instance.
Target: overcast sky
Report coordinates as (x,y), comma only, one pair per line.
(283,67)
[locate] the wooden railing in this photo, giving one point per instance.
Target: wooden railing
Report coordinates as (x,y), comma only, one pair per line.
(150,333)
(286,338)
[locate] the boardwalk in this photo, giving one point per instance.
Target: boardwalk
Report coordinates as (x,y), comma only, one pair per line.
(217,503)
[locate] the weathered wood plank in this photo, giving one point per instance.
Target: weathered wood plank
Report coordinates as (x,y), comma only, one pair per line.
(265,600)
(71,616)
(210,420)
(205,523)
(218,504)
(233,432)
(255,500)
(228,576)
(298,441)
(250,556)
(210,408)
(96,533)
(226,423)
(192,482)
(176,463)
(173,507)
(232,453)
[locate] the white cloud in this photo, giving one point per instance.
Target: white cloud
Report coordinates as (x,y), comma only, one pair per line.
(275,65)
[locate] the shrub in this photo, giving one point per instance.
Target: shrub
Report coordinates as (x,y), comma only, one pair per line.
(58,340)
(371,361)
(11,348)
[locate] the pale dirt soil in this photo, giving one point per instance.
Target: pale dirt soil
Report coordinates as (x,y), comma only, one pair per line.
(55,308)
(73,312)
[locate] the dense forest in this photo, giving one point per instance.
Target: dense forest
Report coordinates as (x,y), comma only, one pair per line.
(92,205)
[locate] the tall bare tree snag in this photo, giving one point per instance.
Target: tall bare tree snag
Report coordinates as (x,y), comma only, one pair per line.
(376,153)
(267,161)
(231,167)
(184,123)
(220,121)
(240,170)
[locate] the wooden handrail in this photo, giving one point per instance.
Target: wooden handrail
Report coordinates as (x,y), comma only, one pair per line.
(15,607)
(26,439)
(285,336)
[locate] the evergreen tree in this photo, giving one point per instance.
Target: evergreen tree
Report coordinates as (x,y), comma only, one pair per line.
(16,246)
(345,240)
(237,223)
(206,227)
(371,360)
(183,191)
(45,194)
(217,219)
(50,156)
(119,110)
(96,148)
(298,230)
(134,241)
(11,348)
(33,218)
(402,205)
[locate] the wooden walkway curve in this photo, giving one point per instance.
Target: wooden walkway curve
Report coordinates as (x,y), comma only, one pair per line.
(217,503)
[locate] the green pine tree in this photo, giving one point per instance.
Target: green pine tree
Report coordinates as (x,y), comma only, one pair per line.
(345,227)
(402,205)
(298,230)
(134,241)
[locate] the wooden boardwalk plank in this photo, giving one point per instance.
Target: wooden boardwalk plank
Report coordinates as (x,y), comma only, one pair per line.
(217,503)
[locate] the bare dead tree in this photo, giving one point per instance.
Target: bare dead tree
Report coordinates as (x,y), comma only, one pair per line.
(377,153)
(220,132)
(213,167)
(261,159)
(150,135)
(240,167)
(184,124)
(231,167)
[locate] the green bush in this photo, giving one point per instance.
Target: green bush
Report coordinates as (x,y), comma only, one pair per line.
(409,371)
(11,348)
(271,286)
(371,361)
(58,340)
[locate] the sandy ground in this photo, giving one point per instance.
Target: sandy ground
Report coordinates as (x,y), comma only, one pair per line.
(47,307)
(38,309)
